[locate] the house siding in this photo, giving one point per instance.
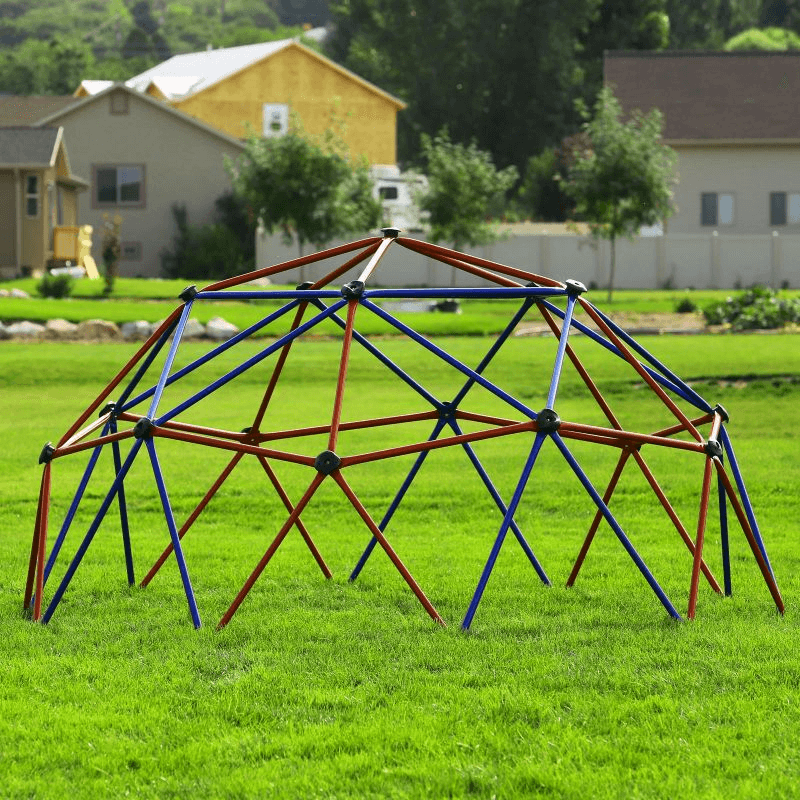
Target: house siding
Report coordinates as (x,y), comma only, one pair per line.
(8,232)
(183,164)
(749,173)
(312,89)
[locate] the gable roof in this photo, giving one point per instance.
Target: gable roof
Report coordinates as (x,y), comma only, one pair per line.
(190,73)
(29,147)
(79,103)
(711,96)
(16,110)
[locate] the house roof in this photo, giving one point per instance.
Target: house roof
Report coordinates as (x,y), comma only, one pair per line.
(16,110)
(711,96)
(190,73)
(29,147)
(78,103)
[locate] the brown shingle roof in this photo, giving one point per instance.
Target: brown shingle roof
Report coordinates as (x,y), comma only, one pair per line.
(28,147)
(711,95)
(18,110)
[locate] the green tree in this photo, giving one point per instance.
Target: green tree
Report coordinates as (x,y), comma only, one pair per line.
(621,176)
(39,67)
(307,188)
(764,39)
(501,72)
(462,184)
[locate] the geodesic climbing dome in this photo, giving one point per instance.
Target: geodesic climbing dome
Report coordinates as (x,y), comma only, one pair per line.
(138,417)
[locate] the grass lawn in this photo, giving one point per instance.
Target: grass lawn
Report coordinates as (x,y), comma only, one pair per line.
(329,689)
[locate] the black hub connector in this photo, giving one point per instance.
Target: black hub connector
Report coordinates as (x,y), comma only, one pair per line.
(547,421)
(574,288)
(304,285)
(353,290)
(720,409)
(47,453)
(144,428)
(108,408)
(326,462)
(189,293)
(447,411)
(713,448)
(390,233)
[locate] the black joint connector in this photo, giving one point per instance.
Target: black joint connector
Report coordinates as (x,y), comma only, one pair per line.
(713,448)
(47,453)
(189,293)
(326,462)
(353,290)
(547,421)
(390,233)
(143,428)
(574,288)
(247,429)
(447,411)
(108,408)
(720,409)
(304,285)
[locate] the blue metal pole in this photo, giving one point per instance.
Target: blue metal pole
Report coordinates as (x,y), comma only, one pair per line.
(562,347)
(609,517)
(748,508)
(123,510)
(173,532)
(446,357)
(501,534)
(87,540)
(251,362)
(219,349)
(87,474)
(501,505)
(397,500)
(723,525)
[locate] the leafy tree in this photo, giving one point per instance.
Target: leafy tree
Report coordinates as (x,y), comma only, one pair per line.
(501,72)
(307,188)
(540,195)
(709,23)
(39,67)
(463,182)
(764,39)
(621,176)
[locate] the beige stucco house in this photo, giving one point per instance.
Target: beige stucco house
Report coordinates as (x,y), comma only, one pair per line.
(734,121)
(141,157)
(39,209)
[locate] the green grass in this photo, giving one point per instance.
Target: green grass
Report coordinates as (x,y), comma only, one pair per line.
(329,689)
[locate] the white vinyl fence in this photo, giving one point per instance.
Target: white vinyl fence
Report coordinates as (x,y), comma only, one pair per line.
(700,261)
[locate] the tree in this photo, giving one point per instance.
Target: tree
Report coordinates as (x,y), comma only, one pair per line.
(621,177)
(764,39)
(503,73)
(462,182)
(307,188)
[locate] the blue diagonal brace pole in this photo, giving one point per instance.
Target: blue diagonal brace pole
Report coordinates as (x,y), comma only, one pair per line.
(562,347)
(123,510)
(501,534)
(173,532)
(723,529)
(87,539)
(609,517)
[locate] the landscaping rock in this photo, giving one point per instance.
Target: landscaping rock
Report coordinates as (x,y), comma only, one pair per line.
(136,331)
(20,294)
(5,293)
(25,330)
(4,334)
(98,329)
(194,329)
(220,330)
(60,329)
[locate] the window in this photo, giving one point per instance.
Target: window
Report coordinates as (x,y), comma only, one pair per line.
(32,195)
(131,251)
(276,119)
(119,185)
(716,209)
(387,192)
(784,208)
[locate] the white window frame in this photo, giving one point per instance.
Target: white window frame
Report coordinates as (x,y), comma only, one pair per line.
(792,217)
(719,222)
(119,202)
(33,196)
(275,119)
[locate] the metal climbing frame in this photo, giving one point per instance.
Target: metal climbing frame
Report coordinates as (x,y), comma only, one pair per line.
(137,418)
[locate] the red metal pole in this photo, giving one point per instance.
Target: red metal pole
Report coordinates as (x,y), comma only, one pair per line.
(192,518)
(248,584)
(352,307)
(300,525)
(44,499)
(748,532)
(698,547)
(624,455)
(378,534)
(42,544)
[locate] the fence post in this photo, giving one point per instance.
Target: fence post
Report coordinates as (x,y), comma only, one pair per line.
(715,260)
(661,262)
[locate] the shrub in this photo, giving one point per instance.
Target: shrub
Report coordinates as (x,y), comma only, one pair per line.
(757,308)
(685,306)
(56,286)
